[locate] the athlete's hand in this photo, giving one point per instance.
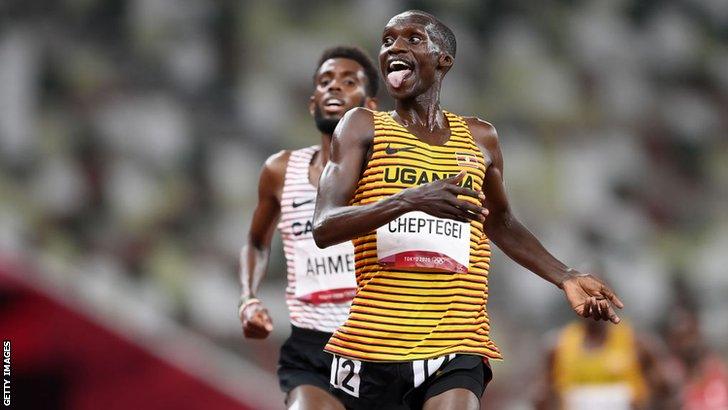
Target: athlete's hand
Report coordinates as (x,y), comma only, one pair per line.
(256,321)
(590,297)
(440,198)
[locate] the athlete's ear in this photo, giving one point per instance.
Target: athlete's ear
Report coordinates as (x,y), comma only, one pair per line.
(311,105)
(445,61)
(371,103)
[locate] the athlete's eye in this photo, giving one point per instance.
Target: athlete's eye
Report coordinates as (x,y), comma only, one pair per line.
(387,41)
(350,83)
(415,39)
(324,82)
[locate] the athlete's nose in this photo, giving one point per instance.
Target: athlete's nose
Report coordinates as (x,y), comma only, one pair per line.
(399,46)
(334,85)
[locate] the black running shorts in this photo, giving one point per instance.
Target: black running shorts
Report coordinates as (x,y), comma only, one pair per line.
(303,360)
(405,385)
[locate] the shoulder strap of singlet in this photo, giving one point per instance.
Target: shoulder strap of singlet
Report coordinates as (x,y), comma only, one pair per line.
(299,162)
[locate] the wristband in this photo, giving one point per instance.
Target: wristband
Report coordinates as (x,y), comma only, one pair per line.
(244,303)
(570,273)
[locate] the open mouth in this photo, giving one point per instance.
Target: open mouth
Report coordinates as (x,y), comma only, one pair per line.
(398,70)
(333,103)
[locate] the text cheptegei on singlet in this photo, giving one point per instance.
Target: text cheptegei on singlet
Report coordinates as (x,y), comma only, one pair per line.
(417,240)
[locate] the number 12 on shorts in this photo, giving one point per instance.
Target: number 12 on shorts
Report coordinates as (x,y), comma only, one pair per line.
(345,375)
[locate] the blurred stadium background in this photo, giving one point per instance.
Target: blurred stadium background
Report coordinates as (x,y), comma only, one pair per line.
(132,133)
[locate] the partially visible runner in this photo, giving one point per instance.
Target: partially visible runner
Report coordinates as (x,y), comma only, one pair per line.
(411,188)
(594,365)
(320,282)
(699,374)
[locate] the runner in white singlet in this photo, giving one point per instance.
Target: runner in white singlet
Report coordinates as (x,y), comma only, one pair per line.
(321,282)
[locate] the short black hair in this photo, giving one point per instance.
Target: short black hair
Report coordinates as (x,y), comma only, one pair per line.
(358,55)
(444,37)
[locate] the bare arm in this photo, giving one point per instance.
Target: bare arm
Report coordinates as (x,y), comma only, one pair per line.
(501,226)
(587,294)
(336,221)
(255,254)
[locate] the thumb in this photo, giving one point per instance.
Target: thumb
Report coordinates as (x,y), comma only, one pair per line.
(612,297)
(456,178)
(268,322)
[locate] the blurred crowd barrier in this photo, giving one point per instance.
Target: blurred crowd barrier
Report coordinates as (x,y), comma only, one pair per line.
(132,133)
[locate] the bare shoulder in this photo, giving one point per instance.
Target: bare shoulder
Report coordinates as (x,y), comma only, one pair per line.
(276,164)
(486,138)
(359,114)
(483,132)
(356,124)
(273,172)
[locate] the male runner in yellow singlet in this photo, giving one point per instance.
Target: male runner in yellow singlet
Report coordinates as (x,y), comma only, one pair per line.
(594,365)
(411,188)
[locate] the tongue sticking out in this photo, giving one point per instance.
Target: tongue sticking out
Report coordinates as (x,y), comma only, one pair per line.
(396,78)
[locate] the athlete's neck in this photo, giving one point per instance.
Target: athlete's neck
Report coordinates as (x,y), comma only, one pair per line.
(323,156)
(319,160)
(422,111)
(595,335)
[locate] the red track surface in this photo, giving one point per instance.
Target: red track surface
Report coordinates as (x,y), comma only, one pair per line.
(63,360)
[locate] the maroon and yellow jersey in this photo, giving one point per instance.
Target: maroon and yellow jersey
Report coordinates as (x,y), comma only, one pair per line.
(402,314)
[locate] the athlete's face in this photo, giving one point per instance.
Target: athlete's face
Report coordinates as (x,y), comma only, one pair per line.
(410,61)
(340,86)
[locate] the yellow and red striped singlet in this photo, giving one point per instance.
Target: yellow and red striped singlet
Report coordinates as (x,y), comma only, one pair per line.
(405,314)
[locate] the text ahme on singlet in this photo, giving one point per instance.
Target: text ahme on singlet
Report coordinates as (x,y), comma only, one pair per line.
(330,265)
(324,275)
